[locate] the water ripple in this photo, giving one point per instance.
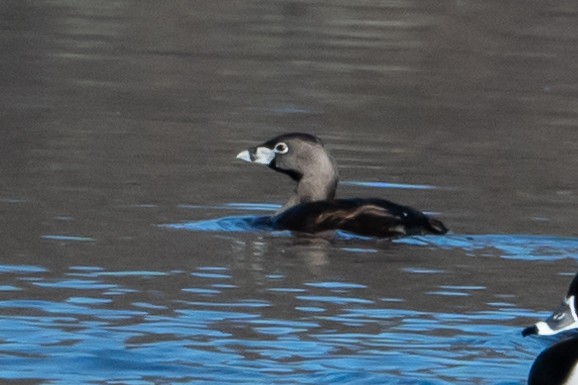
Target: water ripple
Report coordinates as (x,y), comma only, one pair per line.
(226,224)
(513,246)
(386,185)
(210,323)
(521,247)
(91,336)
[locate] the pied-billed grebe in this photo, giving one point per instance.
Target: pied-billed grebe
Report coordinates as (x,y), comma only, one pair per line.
(558,364)
(313,207)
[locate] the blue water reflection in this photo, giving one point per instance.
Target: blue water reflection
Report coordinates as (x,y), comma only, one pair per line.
(336,332)
(522,247)
(510,246)
(247,223)
(388,185)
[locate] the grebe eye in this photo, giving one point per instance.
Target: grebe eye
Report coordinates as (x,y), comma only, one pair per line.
(281,148)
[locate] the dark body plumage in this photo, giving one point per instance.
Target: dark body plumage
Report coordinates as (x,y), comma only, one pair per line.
(554,365)
(313,209)
(370,217)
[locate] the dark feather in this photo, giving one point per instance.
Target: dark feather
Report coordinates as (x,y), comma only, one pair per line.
(371,217)
(554,364)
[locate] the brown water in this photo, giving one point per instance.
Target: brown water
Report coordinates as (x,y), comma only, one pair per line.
(119,116)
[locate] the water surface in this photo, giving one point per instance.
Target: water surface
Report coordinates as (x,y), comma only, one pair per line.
(129,254)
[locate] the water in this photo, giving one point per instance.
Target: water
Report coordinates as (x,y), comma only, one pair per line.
(129,250)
